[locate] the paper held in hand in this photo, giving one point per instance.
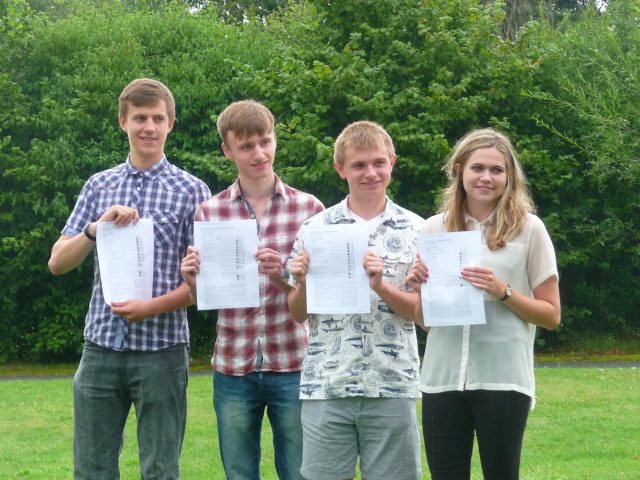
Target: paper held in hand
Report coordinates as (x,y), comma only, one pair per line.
(447,299)
(337,282)
(228,276)
(125,256)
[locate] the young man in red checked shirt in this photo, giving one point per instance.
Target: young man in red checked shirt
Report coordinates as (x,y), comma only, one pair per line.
(259,351)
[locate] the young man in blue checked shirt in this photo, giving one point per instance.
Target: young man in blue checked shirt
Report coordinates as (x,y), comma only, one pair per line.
(135,352)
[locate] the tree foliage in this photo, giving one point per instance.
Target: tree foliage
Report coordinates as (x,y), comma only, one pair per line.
(565,92)
(590,105)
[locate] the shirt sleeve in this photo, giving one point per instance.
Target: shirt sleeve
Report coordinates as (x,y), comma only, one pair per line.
(541,263)
(202,194)
(83,212)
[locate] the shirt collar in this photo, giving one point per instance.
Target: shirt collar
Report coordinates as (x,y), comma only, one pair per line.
(490,220)
(343,212)
(150,173)
(235,190)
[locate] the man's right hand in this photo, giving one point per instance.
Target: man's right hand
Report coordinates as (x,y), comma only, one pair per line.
(299,267)
(190,266)
(120,215)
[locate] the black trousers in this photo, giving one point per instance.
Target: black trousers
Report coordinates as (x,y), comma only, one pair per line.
(498,419)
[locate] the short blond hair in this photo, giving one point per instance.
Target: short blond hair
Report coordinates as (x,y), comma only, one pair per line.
(361,135)
(245,118)
(143,92)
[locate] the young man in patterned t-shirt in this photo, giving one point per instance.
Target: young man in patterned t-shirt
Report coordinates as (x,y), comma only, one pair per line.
(259,351)
(359,382)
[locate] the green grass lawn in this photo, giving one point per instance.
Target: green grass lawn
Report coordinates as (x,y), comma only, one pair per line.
(586,425)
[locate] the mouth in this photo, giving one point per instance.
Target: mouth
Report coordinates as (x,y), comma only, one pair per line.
(371,185)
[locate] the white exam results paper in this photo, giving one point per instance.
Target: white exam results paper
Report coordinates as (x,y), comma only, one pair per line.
(336,280)
(125,256)
(447,299)
(228,276)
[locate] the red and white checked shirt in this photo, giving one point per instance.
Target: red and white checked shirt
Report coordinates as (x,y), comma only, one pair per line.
(283,341)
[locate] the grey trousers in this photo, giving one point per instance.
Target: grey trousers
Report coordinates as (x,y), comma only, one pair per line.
(105,386)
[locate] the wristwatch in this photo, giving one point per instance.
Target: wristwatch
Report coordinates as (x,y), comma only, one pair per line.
(88,234)
(507,293)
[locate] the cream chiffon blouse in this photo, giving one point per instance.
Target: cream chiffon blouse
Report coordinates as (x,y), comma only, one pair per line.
(499,354)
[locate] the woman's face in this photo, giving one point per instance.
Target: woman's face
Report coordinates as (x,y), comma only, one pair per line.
(484,177)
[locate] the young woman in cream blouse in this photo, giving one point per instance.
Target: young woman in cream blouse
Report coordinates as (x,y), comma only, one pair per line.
(479,378)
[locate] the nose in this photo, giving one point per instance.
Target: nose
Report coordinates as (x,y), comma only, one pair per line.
(148,125)
(370,171)
(260,152)
(485,176)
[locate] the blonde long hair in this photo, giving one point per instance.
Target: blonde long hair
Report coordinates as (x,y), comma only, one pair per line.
(514,203)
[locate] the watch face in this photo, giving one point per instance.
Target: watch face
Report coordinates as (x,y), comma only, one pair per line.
(507,293)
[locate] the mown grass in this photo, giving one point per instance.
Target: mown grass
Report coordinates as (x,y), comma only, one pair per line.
(585,426)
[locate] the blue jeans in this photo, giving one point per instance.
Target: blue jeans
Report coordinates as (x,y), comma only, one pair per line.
(105,386)
(239,402)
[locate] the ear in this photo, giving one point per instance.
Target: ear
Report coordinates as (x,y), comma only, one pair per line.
(226,151)
(340,169)
(392,160)
(172,122)
(123,123)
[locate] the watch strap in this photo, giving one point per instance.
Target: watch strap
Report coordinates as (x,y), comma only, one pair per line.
(88,234)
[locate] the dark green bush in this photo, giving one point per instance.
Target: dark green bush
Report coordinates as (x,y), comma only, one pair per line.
(428,71)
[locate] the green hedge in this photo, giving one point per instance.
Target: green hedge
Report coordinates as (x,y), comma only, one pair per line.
(428,71)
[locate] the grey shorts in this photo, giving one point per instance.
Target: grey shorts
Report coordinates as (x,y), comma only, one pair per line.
(382,431)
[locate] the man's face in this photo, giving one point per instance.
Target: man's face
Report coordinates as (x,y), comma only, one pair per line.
(367,171)
(147,128)
(253,155)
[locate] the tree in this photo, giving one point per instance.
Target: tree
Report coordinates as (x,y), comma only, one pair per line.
(62,78)
(591,108)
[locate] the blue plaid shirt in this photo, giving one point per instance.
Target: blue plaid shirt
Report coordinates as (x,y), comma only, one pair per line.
(169,196)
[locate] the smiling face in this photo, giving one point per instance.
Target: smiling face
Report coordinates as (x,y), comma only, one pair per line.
(484,178)
(367,171)
(147,127)
(253,155)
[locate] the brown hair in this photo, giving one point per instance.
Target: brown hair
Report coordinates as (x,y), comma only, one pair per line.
(146,91)
(514,203)
(361,135)
(245,118)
